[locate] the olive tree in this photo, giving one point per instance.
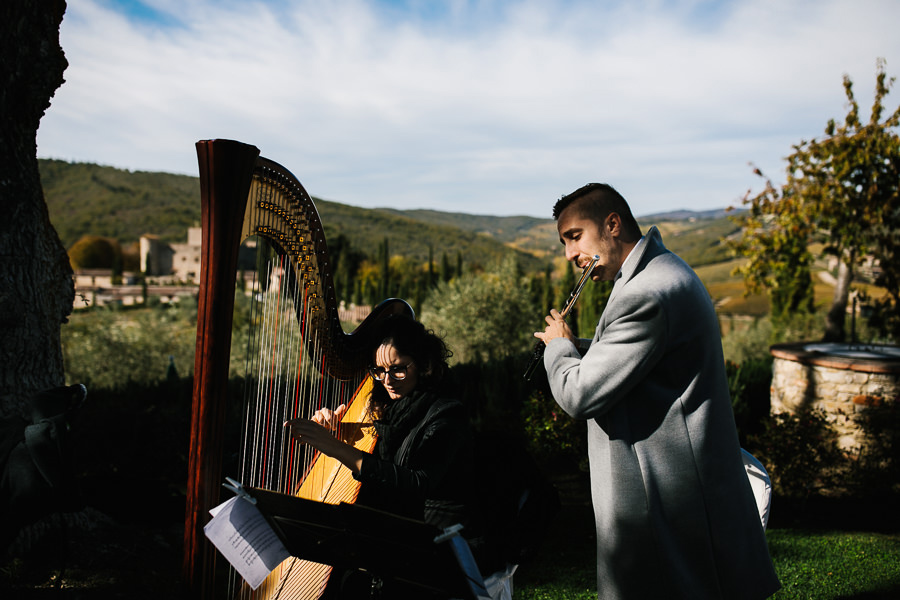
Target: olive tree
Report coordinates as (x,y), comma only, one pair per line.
(36,287)
(841,191)
(483,316)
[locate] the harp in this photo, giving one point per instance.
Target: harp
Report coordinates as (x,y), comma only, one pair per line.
(300,360)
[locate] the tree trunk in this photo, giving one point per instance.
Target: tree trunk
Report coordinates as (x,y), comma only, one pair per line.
(36,286)
(836,318)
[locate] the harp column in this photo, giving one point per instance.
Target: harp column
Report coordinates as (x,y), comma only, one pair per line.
(226,171)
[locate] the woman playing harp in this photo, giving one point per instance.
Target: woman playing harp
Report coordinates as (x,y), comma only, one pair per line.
(422,461)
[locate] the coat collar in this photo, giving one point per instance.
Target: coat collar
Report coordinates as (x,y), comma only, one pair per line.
(652,246)
(636,261)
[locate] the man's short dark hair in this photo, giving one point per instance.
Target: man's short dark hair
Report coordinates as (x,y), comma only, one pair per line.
(599,200)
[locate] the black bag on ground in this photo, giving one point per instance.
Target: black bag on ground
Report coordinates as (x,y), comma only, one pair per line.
(37,475)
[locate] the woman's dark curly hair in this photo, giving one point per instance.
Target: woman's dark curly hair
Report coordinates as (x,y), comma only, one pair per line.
(427,350)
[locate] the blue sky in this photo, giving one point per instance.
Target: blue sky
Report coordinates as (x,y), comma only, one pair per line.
(482,107)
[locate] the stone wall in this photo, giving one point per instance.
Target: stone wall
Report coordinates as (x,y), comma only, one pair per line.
(840,386)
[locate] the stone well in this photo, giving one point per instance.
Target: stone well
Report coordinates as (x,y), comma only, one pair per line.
(840,379)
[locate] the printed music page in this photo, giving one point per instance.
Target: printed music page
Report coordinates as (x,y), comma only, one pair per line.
(245,539)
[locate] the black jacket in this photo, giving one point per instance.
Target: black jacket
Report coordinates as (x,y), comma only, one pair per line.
(422,464)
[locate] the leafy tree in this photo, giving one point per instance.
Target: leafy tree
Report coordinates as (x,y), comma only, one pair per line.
(368,279)
(562,295)
(431,275)
(446,271)
(546,291)
(95,252)
(841,190)
(403,277)
(384,255)
(345,261)
(111,349)
(483,317)
(541,290)
(885,316)
(131,257)
(590,306)
(776,240)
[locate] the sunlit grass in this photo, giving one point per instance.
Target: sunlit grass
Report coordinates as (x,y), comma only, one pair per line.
(820,565)
(825,565)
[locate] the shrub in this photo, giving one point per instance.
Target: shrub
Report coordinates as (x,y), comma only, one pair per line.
(747,342)
(552,434)
(875,468)
(750,386)
(111,349)
(96,252)
(494,390)
(482,316)
(800,452)
(501,400)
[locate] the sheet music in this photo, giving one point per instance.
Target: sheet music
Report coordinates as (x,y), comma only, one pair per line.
(244,537)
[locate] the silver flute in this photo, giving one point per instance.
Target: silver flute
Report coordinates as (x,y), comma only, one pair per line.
(538,353)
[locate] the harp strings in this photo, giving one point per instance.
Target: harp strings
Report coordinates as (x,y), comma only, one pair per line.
(286,372)
(282,381)
(287,357)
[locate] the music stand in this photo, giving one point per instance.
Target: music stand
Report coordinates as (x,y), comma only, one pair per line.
(385,545)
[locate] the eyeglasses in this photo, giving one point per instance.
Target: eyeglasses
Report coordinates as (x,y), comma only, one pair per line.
(396,372)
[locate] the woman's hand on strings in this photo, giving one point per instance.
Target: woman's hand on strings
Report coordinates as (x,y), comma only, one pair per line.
(308,431)
(328,418)
(317,432)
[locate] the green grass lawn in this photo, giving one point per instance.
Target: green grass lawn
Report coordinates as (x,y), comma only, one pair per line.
(835,564)
(812,564)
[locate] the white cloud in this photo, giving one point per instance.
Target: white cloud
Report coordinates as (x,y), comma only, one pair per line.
(492,108)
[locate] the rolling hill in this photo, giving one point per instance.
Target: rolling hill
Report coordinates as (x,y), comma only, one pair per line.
(88,199)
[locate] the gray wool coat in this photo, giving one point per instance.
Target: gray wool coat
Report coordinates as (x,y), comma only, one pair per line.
(674,511)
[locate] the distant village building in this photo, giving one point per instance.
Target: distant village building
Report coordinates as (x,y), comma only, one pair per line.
(95,287)
(173,270)
(179,262)
(95,278)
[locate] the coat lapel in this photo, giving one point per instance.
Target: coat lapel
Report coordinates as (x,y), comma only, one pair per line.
(652,246)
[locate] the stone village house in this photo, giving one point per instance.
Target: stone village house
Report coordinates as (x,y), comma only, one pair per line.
(171,271)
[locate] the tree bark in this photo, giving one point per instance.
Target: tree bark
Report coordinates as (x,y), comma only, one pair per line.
(36,284)
(836,318)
